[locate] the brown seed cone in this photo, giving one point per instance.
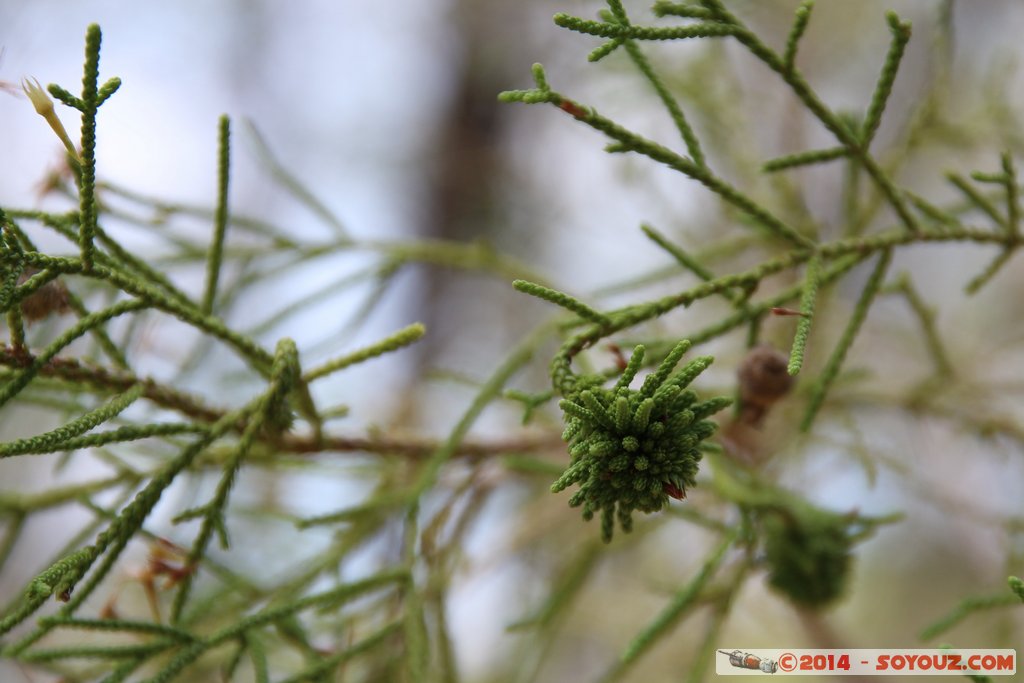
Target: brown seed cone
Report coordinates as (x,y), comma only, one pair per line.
(764,379)
(50,298)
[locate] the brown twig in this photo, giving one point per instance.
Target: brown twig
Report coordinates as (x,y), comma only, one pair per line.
(74,370)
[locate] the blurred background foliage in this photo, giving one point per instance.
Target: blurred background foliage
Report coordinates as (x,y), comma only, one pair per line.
(382,183)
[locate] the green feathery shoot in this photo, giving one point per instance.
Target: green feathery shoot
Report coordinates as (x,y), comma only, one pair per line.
(90,102)
(685,260)
(816,156)
(900,38)
(977,198)
(803,17)
(972,605)
(213,263)
(402,338)
(1017,586)
(58,438)
(561,299)
(926,317)
(812,280)
(681,602)
(857,317)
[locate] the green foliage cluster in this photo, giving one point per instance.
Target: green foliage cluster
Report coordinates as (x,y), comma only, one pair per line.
(629,449)
(807,551)
(808,559)
(634,449)
(32,291)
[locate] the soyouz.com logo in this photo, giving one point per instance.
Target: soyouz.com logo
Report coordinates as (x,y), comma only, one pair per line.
(866,662)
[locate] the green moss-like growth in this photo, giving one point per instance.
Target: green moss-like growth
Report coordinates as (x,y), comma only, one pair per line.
(633,449)
(808,555)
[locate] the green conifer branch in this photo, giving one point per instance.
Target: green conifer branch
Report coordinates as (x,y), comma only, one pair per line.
(792,77)
(374,505)
(803,17)
(564,380)
(327,665)
(815,156)
(990,271)
(151,296)
(633,142)
(90,103)
(644,65)
(33,284)
(937,214)
(665,8)
(216,254)
(675,111)
(292,184)
(606,30)
(266,409)
(857,317)
(272,615)
(107,89)
(926,317)
(685,260)
(16,327)
(11,501)
(12,263)
(757,311)
(108,652)
(605,49)
(74,372)
(113,540)
(1017,586)
(561,299)
(131,433)
(738,298)
(979,200)
(68,99)
(125,625)
(57,439)
(579,569)
(400,339)
(966,608)
(606,422)
(883,88)
(677,609)
(812,281)
(89,322)
(65,226)
(1012,195)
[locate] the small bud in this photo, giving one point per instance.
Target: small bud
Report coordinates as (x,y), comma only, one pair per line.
(617,355)
(570,107)
(38,97)
(674,491)
(44,107)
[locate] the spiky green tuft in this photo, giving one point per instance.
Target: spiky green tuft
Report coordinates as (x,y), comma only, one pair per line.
(632,450)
